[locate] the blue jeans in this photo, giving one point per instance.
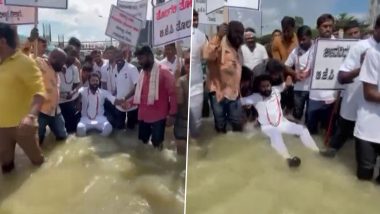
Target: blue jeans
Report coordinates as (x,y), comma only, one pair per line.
(56,125)
(226,111)
(318,113)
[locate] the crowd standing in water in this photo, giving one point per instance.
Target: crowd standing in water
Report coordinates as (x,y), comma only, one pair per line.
(106,92)
(270,85)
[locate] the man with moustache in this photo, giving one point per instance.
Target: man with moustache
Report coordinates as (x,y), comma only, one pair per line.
(349,76)
(156,98)
(321,102)
(225,60)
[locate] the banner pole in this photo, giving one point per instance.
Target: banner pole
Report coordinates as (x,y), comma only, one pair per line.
(36,26)
(331,125)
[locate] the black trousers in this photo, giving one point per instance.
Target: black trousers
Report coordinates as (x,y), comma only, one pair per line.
(343,131)
(156,130)
(366,155)
(287,98)
(132,119)
(71,115)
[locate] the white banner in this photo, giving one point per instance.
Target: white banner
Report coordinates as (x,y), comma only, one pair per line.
(172,21)
(57,4)
(215,18)
(123,27)
(329,56)
(136,9)
(16,15)
(213,5)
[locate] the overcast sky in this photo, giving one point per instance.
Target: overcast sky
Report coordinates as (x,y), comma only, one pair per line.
(87,19)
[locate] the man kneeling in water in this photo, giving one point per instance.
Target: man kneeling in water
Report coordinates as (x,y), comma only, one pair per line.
(93,99)
(272,120)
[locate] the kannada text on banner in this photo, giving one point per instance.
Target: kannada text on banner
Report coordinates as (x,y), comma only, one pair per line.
(136,9)
(16,15)
(329,56)
(123,27)
(57,4)
(172,21)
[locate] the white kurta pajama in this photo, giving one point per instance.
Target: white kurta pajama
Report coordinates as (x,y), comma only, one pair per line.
(93,112)
(274,124)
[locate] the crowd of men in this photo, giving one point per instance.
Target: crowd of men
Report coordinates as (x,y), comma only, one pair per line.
(247,81)
(105,92)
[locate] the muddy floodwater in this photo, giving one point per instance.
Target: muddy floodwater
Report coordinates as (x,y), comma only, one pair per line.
(94,175)
(241,173)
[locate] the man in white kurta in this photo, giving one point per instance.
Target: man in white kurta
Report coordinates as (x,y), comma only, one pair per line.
(197,80)
(272,120)
(93,99)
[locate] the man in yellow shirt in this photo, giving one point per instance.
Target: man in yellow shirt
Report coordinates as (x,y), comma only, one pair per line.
(50,114)
(21,97)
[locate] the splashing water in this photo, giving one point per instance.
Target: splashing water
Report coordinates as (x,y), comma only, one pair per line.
(241,173)
(97,175)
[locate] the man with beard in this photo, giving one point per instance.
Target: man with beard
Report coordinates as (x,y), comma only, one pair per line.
(298,66)
(349,75)
(50,114)
(156,98)
(126,79)
(272,120)
(197,81)
(93,108)
(21,97)
(224,60)
(69,86)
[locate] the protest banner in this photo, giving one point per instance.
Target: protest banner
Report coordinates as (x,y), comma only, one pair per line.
(123,27)
(212,19)
(16,15)
(136,9)
(56,4)
(212,6)
(172,21)
(329,56)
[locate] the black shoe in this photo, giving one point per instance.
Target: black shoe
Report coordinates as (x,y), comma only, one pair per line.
(294,162)
(328,153)
(7,168)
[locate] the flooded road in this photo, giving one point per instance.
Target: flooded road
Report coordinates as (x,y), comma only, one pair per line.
(96,175)
(241,173)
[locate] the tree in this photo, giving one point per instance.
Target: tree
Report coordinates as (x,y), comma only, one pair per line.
(343,19)
(299,21)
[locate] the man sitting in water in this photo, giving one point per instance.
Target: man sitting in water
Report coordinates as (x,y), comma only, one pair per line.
(93,98)
(272,120)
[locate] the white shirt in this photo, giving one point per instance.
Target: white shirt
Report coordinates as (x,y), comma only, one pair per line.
(328,96)
(301,60)
(172,66)
(126,79)
(252,58)
(93,104)
(98,69)
(368,120)
(108,74)
(67,80)
(198,41)
(354,91)
(269,108)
